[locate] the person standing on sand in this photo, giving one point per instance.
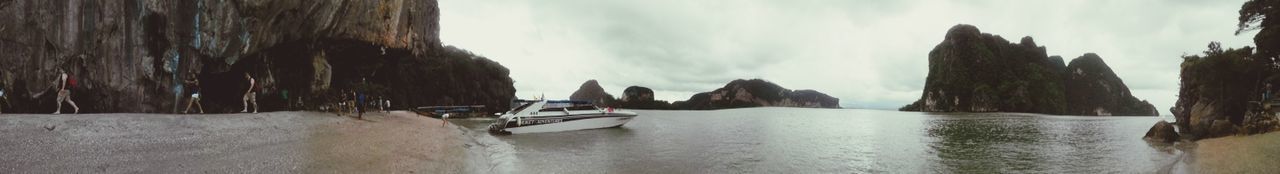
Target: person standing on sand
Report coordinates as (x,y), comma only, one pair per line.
(381,107)
(64,92)
(194,85)
(351,102)
(342,103)
(1266,93)
(3,98)
(250,95)
(284,95)
(360,105)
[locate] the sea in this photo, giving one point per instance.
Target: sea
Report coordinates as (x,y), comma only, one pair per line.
(801,140)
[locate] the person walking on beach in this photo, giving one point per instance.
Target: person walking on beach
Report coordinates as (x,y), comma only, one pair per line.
(360,105)
(342,103)
(65,83)
(351,102)
(381,107)
(250,95)
(3,98)
(194,85)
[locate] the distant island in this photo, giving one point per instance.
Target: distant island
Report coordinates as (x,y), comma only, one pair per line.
(736,94)
(971,71)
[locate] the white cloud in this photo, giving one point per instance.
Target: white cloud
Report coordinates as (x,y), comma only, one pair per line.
(867,53)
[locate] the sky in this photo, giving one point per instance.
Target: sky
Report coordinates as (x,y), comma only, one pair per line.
(870,54)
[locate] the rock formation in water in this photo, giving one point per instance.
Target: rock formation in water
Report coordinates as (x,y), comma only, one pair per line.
(637,97)
(1163,131)
(971,71)
(1093,89)
(1220,91)
(757,93)
(131,55)
(591,91)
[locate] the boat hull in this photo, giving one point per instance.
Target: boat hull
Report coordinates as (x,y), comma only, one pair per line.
(564,123)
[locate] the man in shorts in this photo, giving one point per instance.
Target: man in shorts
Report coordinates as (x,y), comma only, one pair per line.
(193,84)
(64,93)
(250,95)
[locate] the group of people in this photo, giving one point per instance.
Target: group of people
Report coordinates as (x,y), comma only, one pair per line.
(357,103)
(64,84)
(250,94)
(352,101)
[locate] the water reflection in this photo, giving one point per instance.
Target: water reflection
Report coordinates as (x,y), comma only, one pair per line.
(1014,143)
(789,140)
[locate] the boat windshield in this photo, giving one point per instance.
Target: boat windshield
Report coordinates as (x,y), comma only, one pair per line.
(571,107)
(522,106)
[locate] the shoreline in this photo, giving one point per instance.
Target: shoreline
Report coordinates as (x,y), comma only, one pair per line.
(271,142)
(1235,154)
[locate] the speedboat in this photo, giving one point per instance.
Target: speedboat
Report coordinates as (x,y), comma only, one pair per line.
(532,116)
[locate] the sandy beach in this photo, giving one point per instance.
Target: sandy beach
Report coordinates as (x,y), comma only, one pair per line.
(275,142)
(1237,154)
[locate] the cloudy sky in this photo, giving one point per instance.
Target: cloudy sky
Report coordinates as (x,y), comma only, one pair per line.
(870,54)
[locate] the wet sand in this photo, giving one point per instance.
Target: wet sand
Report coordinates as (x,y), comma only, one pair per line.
(1237,154)
(276,142)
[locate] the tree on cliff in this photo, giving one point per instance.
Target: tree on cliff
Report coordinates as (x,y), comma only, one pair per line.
(1264,16)
(1216,86)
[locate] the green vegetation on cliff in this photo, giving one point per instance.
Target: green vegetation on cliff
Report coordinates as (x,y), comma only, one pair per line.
(971,71)
(132,55)
(757,93)
(1218,86)
(736,94)
(1221,91)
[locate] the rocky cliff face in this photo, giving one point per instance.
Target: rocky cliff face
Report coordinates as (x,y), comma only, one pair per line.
(637,93)
(638,97)
(1093,89)
(591,91)
(1217,93)
(756,93)
(971,71)
(130,55)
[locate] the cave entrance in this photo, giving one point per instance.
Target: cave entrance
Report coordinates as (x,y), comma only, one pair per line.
(293,75)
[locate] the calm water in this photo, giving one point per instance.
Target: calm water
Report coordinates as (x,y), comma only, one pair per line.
(793,140)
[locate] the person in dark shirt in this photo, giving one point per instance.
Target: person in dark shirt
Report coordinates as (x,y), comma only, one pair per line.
(193,85)
(360,102)
(251,94)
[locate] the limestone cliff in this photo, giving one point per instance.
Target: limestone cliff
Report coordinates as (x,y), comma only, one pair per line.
(591,91)
(130,55)
(638,97)
(1219,94)
(971,71)
(756,93)
(1093,89)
